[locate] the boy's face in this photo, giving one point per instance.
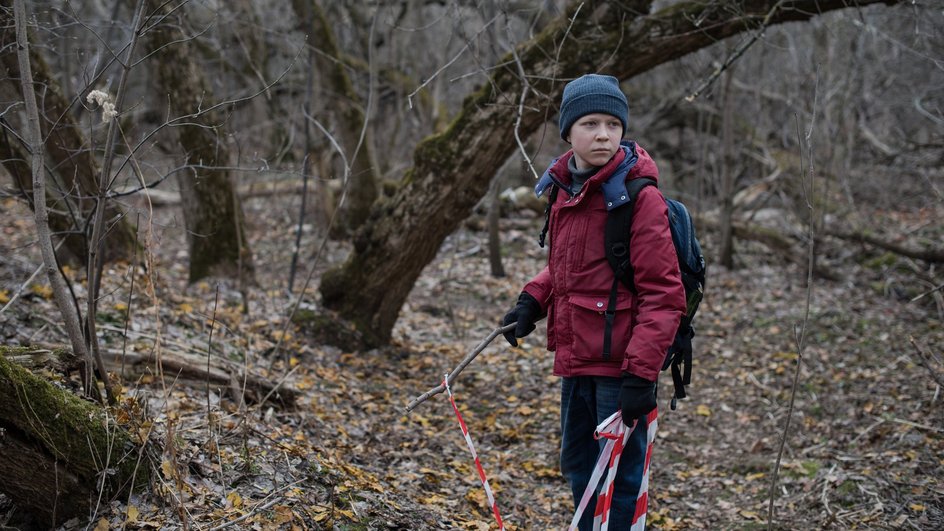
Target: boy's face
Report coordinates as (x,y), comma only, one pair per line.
(595,139)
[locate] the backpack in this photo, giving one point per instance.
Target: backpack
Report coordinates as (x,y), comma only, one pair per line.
(691,266)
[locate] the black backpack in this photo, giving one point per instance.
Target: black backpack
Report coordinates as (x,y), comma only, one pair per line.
(691,265)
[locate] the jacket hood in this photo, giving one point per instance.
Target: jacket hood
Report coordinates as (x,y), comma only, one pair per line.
(636,163)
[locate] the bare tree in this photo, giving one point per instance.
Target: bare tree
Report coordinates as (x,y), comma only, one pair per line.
(212,210)
(68,159)
(388,256)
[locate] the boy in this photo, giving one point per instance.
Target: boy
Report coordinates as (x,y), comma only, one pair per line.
(574,288)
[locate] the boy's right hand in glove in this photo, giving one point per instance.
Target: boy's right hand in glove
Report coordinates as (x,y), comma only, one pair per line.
(526,312)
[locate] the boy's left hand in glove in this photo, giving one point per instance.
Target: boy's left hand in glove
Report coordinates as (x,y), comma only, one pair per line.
(637,397)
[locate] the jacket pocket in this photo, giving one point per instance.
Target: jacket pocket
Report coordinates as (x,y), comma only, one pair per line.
(589,323)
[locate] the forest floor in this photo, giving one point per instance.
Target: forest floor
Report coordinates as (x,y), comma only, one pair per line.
(865,448)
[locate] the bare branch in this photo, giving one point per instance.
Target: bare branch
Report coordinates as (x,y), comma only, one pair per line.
(462,365)
(69,313)
(447,65)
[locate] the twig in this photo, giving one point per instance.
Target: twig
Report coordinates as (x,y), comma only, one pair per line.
(409,97)
(525,88)
(804,326)
(926,361)
(23,286)
(916,425)
(824,497)
(926,293)
(462,365)
(734,56)
(134,259)
(216,303)
(95,260)
(250,514)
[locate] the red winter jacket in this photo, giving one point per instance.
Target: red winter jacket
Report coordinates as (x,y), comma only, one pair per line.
(574,287)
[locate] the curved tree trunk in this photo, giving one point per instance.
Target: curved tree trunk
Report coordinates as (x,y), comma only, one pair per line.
(453,169)
(57,451)
(69,160)
(213,213)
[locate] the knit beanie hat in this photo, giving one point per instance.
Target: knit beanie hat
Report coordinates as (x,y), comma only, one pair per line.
(588,94)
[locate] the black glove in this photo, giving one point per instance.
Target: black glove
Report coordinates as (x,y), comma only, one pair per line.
(525,313)
(637,397)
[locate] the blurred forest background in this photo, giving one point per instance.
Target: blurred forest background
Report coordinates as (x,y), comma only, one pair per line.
(238,236)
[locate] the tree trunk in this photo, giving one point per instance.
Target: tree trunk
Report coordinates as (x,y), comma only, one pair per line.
(494,236)
(349,117)
(57,451)
(212,211)
(452,170)
(69,159)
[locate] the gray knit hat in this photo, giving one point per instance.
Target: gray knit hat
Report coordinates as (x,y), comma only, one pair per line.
(588,94)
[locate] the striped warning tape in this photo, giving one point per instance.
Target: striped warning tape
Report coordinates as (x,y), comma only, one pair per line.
(478,464)
(617,434)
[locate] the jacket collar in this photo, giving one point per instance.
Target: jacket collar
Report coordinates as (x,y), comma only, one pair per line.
(614,187)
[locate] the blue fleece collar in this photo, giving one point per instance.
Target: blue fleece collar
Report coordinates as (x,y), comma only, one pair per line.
(614,188)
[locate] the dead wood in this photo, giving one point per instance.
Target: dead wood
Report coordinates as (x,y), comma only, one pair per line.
(929,255)
(229,376)
(58,451)
(773,240)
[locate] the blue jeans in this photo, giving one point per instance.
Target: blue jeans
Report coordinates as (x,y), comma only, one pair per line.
(585,402)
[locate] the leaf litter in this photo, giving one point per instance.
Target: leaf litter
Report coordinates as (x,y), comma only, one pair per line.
(864,449)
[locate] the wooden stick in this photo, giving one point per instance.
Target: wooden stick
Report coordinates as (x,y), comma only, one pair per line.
(462,365)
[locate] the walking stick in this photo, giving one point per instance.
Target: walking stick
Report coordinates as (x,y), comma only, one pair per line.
(462,365)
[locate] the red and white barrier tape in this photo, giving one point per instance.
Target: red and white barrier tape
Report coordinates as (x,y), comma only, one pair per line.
(617,434)
(478,464)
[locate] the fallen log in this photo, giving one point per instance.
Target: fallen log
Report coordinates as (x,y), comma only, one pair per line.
(226,375)
(60,455)
(929,255)
(774,241)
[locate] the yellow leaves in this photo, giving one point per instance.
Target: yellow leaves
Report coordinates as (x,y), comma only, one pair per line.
(917,507)
(279,335)
(540,470)
(167,468)
(132,513)
(703,410)
(102,525)
(660,519)
(754,476)
(234,500)
(120,307)
(691,472)
(477,497)
(750,515)
(185,307)
(283,515)
(4,296)
(43,290)
(323,513)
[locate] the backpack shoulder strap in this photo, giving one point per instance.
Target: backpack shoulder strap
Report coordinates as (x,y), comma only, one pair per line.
(616,239)
(551,199)
(617,233)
